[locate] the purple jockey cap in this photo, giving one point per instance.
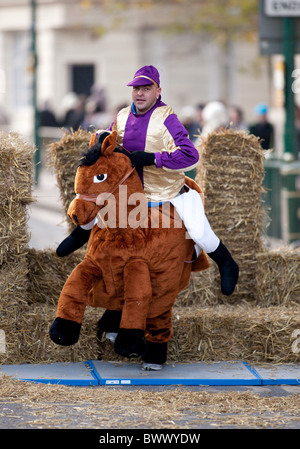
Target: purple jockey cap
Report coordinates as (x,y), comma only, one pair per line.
(144,76)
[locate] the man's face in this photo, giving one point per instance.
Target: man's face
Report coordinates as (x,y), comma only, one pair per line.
(144,97)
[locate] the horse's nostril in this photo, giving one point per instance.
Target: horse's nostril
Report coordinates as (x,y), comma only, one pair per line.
(75,218)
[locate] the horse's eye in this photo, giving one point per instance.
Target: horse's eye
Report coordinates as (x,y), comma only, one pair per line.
(100,178)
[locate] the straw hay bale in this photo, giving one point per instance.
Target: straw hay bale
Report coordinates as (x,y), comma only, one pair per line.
(16,175)
(231,173)
(16,167)
(278,277)
(13,284)
(13,299)
(14,234)
(47,274)
(221,332)
(202,289)
(28,341)
(218,332)
(278,282)
(225,332)
(63,158)
(29,291)
(16,171)
(28,307)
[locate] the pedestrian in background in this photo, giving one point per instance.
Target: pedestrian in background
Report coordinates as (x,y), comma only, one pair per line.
(262,128)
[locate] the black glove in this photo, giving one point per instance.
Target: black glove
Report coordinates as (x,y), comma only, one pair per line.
(141,158)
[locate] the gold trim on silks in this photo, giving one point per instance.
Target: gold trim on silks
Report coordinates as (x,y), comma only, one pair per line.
(159,187)
(120,123)
(148,78)
(160,184)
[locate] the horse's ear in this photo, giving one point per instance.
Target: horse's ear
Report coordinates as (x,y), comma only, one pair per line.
(98,137)
(109,144)
(93,140)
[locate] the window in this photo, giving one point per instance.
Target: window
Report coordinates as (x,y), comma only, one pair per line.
(82,78)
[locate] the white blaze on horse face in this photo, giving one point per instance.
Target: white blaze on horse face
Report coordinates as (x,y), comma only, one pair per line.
(100,178)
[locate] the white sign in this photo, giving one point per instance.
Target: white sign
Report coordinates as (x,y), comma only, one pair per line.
(282,8)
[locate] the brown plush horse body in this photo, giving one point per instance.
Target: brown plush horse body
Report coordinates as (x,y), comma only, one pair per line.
(133,272)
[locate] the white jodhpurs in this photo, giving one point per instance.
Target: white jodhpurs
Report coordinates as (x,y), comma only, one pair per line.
(189,207)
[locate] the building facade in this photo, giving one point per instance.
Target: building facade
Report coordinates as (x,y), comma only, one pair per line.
(83,43)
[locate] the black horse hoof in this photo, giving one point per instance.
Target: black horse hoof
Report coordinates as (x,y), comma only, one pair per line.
(155,353)
(129,342)
(110,321)
(64,332)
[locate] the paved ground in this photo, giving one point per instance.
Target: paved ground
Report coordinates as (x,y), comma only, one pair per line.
(233,409)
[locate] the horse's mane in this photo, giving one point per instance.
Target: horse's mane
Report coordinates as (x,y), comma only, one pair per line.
(92,154)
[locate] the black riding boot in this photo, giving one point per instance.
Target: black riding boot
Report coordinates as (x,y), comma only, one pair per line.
(110,321)
(74,241)
(109,324)
(155,353)
(129,342)
(228,268)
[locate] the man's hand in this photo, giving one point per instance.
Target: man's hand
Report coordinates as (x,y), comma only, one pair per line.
(141,158)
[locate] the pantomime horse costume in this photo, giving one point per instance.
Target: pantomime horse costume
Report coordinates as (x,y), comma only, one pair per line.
(135,273)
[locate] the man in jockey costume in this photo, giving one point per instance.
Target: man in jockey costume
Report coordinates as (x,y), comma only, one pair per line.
(161,151)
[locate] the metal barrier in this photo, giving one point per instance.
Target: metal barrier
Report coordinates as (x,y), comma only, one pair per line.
(282,199)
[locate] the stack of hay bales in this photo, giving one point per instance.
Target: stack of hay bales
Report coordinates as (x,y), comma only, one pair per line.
(16,172)
(31,280)
(241,332)
(258,321)
(250,325)
(16,159)
(256,324)
(47,275)
(278,277)
(231,173)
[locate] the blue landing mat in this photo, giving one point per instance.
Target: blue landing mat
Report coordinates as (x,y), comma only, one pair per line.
(200,373)
(284,374)
(78,373)
(95,372)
